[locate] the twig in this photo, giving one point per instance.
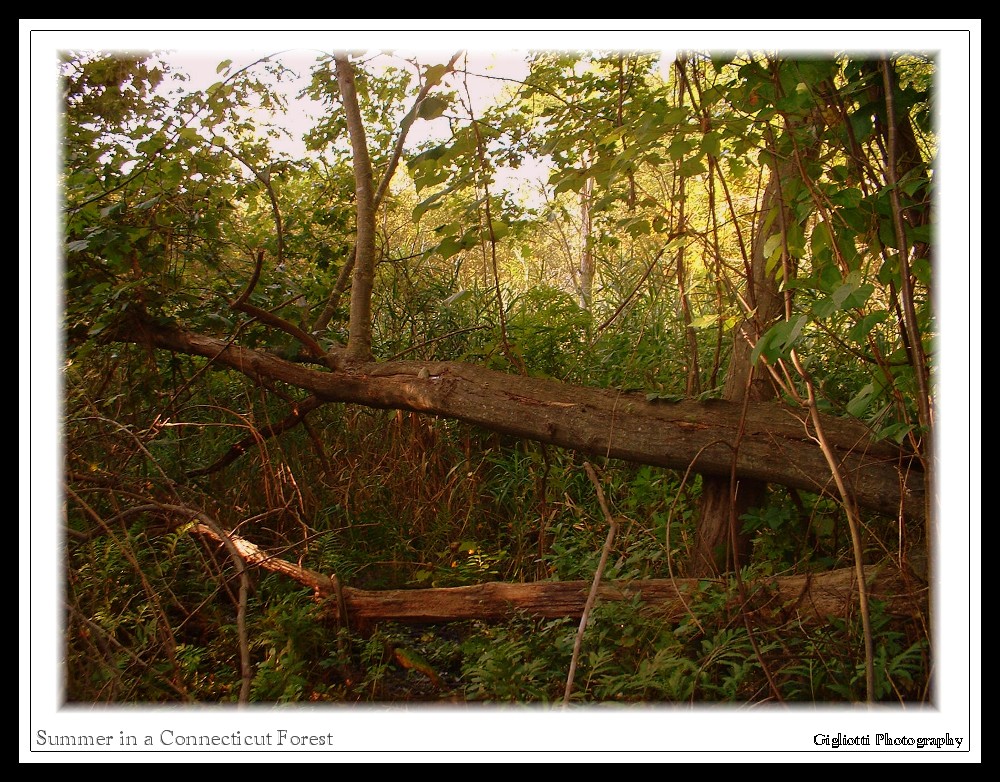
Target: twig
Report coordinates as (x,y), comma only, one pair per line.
(241,304)
(741,587)
(853,523)
(169,642)
(592,597)
(265,180)
(241,608)
(236,450)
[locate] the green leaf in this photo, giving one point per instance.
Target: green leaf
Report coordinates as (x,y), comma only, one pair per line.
(793,331)
(919,233)
(712,143)
(428,156)
(829,278)
(849,197)
(434,73)
(778,339)
(428,203)
(861,124)
(432,107)
(897,432)
(704,322)
(720,61)
(820,244)
(452,245)
(675,115)
(772,245)
(913,185)
(571,181)
(824,308)
(638,227)
(857,406)
(737,166)
(847,295)
(692,167)
(500,230)
(858,297)
(612,136)
(679,147)
(191,135)
(921,269)
(840,295)
(860,331)
(796,240)
(223,66)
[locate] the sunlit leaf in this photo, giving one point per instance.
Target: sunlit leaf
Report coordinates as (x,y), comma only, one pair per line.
(434,73)
(704,321)
(860,331)
(773,245)
(432,106)
(692,167)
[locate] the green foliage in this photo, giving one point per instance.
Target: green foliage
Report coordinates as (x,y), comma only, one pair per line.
(518,663)
(630,656)
(170,199)
(296,650)
(824,673)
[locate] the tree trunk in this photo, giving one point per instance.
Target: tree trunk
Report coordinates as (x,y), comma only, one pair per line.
(720,543)
(587,264)
(808,598)
(775,443)
(692,382)
(359,343)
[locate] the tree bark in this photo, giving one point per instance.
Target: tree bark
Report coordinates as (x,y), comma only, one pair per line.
(359,343)
(776,444)
(587,265)
(720,543)
(809,598)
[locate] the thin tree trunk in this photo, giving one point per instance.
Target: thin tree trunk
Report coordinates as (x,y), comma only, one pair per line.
(587,266)
(359,342)
(692,384)
(404,128)
(720,543)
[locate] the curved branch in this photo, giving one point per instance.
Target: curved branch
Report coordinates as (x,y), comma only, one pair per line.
(404,129)
(266,181)
(236,450)
(241,305)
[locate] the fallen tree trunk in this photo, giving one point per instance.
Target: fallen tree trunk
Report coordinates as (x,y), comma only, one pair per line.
(812,597)
(807,597)
(777,444)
